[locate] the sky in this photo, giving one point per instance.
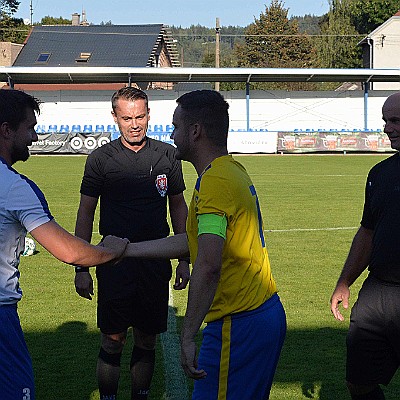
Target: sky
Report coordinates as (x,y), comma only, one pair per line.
(169,12)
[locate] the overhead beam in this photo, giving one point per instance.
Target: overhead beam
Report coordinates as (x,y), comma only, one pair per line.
(77,75)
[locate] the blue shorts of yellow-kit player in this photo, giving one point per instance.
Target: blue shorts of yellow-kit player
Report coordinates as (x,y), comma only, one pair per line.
(240,353)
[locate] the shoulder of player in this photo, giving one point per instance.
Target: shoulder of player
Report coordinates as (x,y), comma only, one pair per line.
(389,162)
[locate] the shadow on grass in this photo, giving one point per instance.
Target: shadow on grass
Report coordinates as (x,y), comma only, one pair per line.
(312,365)
(315,359)
(64,363)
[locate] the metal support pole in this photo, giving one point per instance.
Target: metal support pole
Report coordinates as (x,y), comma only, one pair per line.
(248,106)
(10,82)
(366,88)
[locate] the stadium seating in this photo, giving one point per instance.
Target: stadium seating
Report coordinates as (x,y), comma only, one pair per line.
(76,129)
(112,128)
(64,129)
(87,129)
(52,129)
(40,129)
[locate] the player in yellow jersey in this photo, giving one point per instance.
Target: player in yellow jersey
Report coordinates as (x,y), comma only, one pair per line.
(231,288)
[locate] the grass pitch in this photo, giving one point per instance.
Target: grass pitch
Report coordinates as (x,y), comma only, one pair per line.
(311,206)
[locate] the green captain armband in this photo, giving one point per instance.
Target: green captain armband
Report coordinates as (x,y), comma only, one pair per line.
(212,223)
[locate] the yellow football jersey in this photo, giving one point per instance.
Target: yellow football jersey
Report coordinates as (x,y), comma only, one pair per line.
(246,281)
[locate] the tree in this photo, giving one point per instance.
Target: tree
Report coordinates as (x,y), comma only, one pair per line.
(8,7)
(47,20)
(13,30)
(338,46)
(273,41)
(367,15)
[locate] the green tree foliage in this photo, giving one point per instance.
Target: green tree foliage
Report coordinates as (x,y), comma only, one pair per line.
(8,7)
(367,15)
(47,20)
(309,24)
(13,30)
(273,41)
(338,47)
(196,45)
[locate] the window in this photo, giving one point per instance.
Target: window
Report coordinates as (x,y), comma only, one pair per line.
(43,58)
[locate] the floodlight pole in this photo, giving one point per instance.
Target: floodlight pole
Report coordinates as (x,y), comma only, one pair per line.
(31,10)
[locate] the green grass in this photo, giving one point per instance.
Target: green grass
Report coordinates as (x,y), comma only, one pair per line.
(302,198)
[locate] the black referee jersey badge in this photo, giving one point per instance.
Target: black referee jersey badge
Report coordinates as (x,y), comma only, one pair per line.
(162,184)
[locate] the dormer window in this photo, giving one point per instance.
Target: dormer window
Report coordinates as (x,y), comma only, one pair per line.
(83,57)
(43,58)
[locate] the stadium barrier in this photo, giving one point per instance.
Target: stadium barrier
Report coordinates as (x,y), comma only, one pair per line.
(69,143)
(239,141)
(333,141)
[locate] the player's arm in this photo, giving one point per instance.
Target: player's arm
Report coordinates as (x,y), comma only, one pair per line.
(85,217)
(73,250)
(203,285)
(357,261)
(168,248)
(83,229)
(178,212)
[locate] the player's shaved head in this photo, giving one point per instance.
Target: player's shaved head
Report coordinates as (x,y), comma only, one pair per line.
(392,103)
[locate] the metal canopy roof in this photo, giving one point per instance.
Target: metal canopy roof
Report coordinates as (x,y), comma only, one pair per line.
(76,75)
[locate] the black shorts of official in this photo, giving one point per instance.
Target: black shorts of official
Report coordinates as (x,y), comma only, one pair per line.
(134,294)
(373,340)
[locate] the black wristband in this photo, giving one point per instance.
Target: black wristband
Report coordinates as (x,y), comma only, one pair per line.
(187,259)
(81,269)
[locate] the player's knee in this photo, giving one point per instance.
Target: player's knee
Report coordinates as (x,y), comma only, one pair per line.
(111,350)
(113,359)
(144,340)
(142,355)
(365,392)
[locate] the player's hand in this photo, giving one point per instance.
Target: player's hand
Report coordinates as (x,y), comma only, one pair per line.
(84,285)
(182,275)
(341,294)
(118,245)
(189,360)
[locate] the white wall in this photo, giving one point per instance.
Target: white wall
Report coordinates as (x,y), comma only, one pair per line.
(269,110)
(385,51)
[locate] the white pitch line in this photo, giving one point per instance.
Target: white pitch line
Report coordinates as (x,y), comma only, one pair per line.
(175,380)
(340,228)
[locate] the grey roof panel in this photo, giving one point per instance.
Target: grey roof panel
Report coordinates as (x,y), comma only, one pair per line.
(109,45)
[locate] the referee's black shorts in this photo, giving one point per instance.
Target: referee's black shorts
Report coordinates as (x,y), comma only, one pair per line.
(373,340)
(133,294)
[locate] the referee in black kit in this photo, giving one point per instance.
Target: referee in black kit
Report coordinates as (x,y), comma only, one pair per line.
(133,177)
